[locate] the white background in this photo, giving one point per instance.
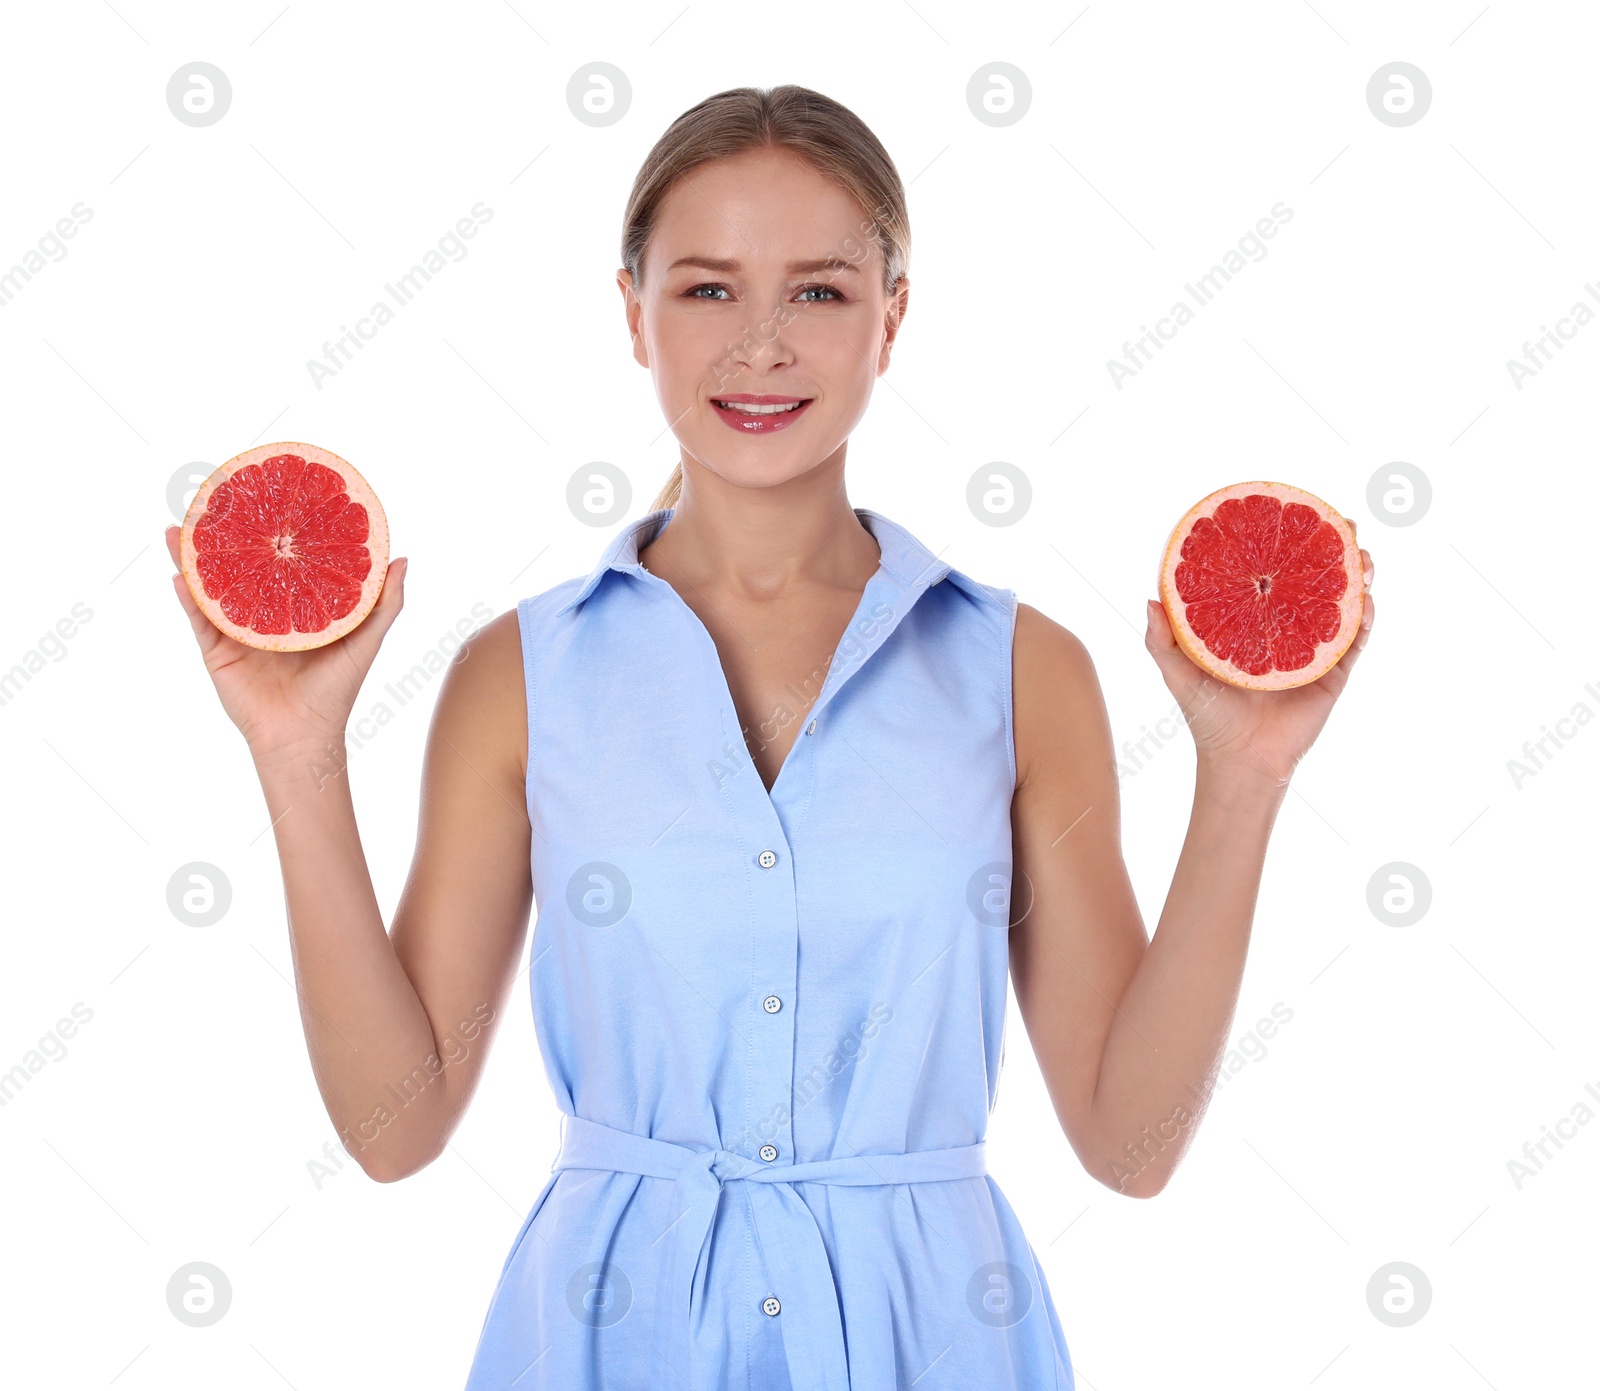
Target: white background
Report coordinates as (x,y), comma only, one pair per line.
(1377,1124)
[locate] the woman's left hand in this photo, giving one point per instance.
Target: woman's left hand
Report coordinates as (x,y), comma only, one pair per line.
(1256,732)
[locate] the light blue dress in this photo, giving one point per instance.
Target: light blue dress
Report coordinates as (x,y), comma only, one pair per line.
(774,1022)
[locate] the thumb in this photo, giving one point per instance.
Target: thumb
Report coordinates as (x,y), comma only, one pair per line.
(1176,668)
(366,637)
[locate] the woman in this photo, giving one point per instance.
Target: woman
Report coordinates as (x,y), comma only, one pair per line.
(769,972)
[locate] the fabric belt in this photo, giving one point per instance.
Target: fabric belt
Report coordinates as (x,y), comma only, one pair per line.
(813,1325)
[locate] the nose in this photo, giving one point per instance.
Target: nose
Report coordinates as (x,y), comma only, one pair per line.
(764,342)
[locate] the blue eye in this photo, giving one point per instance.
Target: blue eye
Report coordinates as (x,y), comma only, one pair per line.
(828,289)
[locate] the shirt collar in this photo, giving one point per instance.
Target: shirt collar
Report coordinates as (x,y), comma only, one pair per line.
(909,564)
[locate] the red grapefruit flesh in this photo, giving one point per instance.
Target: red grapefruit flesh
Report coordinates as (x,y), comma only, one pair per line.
(285,547)
(1262,584)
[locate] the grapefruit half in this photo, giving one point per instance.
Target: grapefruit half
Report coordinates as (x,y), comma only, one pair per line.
(285,547)
(1262,584)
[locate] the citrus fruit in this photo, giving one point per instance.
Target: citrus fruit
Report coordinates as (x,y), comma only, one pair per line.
(1262,584)
(285,547)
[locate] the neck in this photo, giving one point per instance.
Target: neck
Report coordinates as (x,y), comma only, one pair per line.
(759,543)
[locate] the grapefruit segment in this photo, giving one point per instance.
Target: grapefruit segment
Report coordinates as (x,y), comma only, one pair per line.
(285,547)
(1263,584)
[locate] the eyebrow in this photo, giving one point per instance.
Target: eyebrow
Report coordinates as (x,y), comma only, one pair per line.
(822,263)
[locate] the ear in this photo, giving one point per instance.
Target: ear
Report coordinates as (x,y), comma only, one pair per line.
(893,317)
(634,311)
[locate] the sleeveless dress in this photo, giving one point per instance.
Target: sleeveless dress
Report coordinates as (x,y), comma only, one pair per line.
(773,1022)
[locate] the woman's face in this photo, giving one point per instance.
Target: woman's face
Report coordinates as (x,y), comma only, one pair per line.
(760,279)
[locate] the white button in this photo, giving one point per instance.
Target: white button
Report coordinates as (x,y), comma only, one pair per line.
(768,1152)
(767,859)
(812,727)
(772,1004)
(769,1305)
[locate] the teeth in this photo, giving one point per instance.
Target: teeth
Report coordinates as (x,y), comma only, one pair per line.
(749,409)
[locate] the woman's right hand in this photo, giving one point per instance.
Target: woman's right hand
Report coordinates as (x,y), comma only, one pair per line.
(285,700)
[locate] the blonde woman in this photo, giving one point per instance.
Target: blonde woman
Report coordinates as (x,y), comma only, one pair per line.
(792,795)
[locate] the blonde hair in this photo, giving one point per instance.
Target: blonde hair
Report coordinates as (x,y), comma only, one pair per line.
(833,138)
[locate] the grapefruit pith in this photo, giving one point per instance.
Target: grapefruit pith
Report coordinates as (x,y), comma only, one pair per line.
(285,547)
(1262,584)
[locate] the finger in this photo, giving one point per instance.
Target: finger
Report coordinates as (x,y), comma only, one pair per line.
(1352,654)
(362,642)
(206,633)
(1366,566)
(1158,633)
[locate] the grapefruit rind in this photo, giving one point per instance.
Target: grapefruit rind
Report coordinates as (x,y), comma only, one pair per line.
(1327,653)
(377,544)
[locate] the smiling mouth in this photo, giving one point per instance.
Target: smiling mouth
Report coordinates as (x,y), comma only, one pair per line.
(759,414)
(746,406)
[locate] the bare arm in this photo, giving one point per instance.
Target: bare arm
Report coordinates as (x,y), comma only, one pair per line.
(1130,1032)
(398,1026)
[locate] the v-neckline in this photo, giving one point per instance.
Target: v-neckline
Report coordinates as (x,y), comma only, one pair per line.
(829,684)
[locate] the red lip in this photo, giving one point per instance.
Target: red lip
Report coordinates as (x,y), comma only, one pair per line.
(760,424)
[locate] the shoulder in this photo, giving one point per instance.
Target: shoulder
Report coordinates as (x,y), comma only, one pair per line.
(1060,713)
(482,709)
